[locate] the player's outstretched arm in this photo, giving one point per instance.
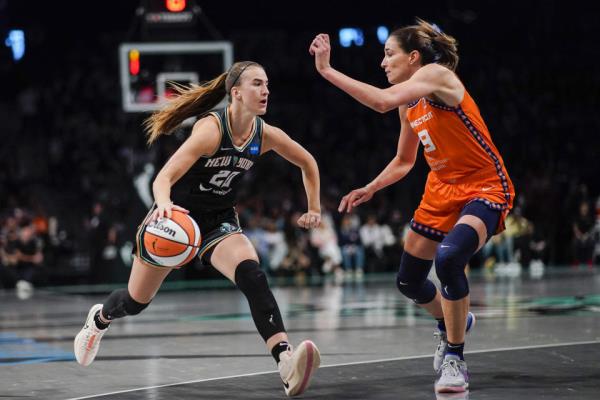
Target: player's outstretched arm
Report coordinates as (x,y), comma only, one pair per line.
(431,79)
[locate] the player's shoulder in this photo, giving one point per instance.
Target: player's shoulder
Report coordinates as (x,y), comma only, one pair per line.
(207,127)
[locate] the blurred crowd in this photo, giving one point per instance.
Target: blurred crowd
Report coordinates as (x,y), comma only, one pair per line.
(75,171)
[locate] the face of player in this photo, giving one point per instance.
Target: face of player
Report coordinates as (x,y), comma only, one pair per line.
(396,62)
(253,91)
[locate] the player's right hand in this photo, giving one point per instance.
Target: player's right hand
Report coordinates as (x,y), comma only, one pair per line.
(321,49)
(165,210)
(354,198)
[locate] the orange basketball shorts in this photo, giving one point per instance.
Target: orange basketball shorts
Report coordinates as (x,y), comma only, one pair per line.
(442,203)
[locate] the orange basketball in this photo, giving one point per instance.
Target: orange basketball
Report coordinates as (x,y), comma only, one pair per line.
(172,242)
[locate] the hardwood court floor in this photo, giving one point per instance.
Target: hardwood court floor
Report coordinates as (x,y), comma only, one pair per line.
(536,338)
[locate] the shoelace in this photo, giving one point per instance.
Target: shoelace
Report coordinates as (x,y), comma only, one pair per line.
(450,368)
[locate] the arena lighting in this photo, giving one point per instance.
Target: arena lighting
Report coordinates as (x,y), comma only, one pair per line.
(350,36)
(16,41)
(382,34)
(175,5)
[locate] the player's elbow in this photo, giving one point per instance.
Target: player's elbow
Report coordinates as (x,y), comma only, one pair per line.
(384,103)
(405,162)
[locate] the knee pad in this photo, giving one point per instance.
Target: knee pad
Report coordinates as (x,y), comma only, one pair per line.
(252,281)
(412,279)
(451,257)
(120,304)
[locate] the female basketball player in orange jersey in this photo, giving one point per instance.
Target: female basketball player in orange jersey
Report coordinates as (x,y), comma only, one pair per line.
(202,178)
(468,191)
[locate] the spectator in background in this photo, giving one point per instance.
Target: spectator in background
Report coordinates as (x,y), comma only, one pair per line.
(325,240)
(30,260)
(583,236)
(353,252)
(375,238)
(9,257)
(277,247)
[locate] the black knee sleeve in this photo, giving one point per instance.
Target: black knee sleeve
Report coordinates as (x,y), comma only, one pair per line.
(253,283)
(451,257)
(412,279)
(120,304)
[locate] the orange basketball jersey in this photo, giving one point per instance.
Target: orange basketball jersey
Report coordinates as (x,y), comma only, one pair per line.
(465,164)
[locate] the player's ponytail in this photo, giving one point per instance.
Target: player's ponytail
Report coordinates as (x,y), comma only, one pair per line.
(428,39)
(194,100)
(190,101)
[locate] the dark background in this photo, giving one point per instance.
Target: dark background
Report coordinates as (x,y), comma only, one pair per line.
(532,67)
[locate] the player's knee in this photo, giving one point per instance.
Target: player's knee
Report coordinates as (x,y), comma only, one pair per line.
(412,281)
(252,281)
(120,304)
(450,262)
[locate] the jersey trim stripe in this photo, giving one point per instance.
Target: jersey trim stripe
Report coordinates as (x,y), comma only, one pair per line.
(441,106)
(207,247)
(427,231)
(216,116)
(480,139)
(228,129)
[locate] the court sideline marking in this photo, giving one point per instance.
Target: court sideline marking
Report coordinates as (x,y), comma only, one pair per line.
(541,346)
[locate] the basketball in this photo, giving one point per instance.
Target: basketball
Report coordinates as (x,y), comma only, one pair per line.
(172,242)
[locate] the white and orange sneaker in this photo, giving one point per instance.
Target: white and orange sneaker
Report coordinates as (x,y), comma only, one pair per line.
(297,366)
(87,341)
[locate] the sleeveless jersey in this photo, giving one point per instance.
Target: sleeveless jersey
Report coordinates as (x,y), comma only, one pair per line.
(457,144)
(213,181)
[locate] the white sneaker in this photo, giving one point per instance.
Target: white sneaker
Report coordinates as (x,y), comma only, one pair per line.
(454,377)
(297,366)
(87,341)
(442,347)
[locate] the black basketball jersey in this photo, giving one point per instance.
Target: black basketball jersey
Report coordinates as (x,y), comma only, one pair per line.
(212,182)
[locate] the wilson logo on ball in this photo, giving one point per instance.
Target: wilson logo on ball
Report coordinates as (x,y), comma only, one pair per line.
(161,227)
(172,242)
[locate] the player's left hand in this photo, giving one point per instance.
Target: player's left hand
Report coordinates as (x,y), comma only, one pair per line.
(321,49)
(310,219)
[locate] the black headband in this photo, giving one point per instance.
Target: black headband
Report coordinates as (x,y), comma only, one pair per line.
(240,74)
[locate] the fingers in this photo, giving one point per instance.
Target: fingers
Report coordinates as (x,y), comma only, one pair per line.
(183,210)
(351,201)
(343,203)
(308,220)
(315,221)
(303,221)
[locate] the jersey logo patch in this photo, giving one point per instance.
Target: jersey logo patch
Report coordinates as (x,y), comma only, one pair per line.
(226,227)
(254,149)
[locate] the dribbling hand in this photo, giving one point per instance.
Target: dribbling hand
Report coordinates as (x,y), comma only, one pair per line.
(354,198)
(166,210)
(321,49)
(310,219)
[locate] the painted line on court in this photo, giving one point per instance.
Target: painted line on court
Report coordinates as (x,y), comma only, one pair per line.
(541,346)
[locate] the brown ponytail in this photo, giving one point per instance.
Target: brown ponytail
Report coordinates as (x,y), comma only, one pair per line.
(194,100)
(434,45)
(191,101)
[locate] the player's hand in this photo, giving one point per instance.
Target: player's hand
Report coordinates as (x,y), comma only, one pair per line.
(310,219)
(165,210)
(321,49)
(354,198)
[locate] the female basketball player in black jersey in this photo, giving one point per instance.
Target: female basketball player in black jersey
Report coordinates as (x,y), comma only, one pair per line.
(202,178)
